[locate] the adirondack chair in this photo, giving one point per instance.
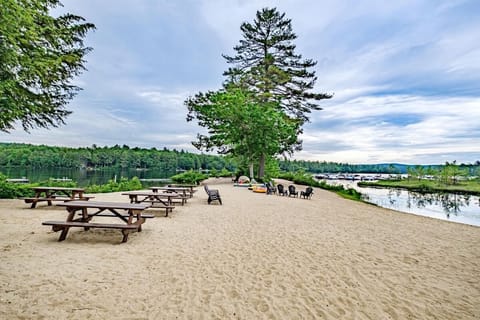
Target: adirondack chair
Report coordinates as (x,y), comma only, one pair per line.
(292,192)
(270,188)
(281,190)
(307,194)
(213,194)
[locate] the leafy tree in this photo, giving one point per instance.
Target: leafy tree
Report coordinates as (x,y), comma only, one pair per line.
(451,172)
(239,126)
(39,55)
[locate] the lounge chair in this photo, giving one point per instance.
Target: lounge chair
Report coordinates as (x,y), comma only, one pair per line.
(281,190)
(292,192)
(213,194)
(270,188)
(307,194)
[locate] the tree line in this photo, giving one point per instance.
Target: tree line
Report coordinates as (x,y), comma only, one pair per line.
(97,158)
(42,156)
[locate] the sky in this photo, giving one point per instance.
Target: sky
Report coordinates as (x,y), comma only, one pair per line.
(405,75)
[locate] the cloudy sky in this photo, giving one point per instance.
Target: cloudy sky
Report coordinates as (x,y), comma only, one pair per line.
(405,75)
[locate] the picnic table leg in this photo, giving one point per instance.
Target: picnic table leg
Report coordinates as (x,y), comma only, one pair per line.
(63,235)
(125,235)
(85,218)
(139,221)
(34,201)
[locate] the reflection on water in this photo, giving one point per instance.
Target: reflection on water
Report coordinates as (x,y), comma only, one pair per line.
(84,177)
(446,206)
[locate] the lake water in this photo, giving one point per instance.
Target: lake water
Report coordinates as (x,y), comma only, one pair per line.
(84,177)
(445,206)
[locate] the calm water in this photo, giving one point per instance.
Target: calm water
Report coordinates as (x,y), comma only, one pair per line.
(446,206)
(83,177)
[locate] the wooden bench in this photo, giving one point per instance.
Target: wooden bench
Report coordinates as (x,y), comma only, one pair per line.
(157,204)
(65,225)
(34,200)
(167,208)
(143,215)
(182,198)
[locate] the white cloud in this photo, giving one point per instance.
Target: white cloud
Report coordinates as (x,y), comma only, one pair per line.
(395,128)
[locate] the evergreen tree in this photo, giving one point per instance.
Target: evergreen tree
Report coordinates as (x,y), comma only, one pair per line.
(267,70)
(39,55)
(266,63)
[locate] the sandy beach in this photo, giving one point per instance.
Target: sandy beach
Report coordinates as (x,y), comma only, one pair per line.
(254,257)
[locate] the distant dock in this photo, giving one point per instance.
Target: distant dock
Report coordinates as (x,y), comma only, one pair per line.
(156,180)
(20,180)
(64,179)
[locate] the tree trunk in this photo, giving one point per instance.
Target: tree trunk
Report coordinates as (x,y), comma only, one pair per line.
(261,167)
(251,171)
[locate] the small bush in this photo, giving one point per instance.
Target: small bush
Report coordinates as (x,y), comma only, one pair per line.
(189,177)
(113,186)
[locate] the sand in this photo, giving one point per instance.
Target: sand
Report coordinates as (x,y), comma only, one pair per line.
(254,257)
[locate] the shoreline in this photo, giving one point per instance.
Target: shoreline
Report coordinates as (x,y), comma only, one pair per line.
(256,256)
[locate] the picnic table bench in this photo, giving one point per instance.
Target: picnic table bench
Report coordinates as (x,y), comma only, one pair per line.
(182,192)
(50,194)
(132,221)
(190,187)
(157,200)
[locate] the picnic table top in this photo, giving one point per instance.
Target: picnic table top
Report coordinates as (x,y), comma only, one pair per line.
(57,188)
(150,193)
(170,188)
(104,205)
(181,185)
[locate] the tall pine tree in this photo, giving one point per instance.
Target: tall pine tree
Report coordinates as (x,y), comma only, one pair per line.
(266,63)
(277,84)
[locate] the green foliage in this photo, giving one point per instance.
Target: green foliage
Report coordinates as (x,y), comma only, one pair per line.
(272,169)
(113,186)
(240,126)
(451,173)
(224,173)
(39,56)
(189,177)
(56,183)
(10,190)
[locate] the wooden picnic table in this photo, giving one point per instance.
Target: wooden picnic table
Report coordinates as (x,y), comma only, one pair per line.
(188,186)
(50,194)
(160,199)
(180,190)
(132,218)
